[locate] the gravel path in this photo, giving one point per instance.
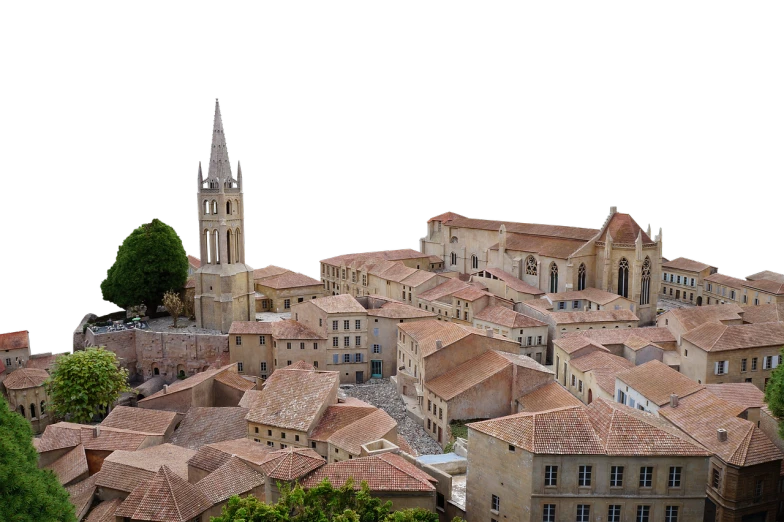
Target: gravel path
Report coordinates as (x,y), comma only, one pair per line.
(382,393)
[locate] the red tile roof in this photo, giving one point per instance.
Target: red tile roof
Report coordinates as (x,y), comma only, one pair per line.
(234,477)
(387,255)
(449,287)
(187,384)
(291,463)
(572,345)
(235,380)
(24,378)
(767,274)
(14,340)
(339,416)
(513,282)
(288,280)
(42,361)
(744,394)
(455,220)
(547,397)
(544,246)
(693,317)
(70,466)
(656,381)
(104,511)
(384,472)
(428,331)
(363,430)
(163,498)
(767,286)
(605,337)
(202,426)
(140,419)
(124,470)
(595,295)
(465,376)
(503,316)
(212,456)
(396,310)
(687,265)
(268,271)
(624,229)
(766,313)
(194,261)
(339,304)
(721,279)
(716,337)
(81,495)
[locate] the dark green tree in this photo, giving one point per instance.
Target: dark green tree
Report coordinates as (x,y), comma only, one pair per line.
(150,262)
(85,383)
(27,494)
(774,394)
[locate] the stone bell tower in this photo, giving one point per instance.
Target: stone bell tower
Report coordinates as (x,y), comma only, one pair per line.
(224,283)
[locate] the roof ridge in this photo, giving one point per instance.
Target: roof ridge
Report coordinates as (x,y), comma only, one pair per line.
(399,468)
(743,447)
(166,471)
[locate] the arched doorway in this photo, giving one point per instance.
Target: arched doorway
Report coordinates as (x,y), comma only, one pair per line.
(590,396)
(699,300)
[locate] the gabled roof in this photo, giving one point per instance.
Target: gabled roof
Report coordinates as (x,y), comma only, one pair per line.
(637,343)
(386,255)
(766,285)
(766,313)
(701,414)
(212,456)
(140,419)
(104,511)
(365,429)
(513,282)
(202,426)
(592,316)
(234,477)
(43,361)
(691,318)
(288,280)
(268,271)
(446,288)
(292,399)
(549,396)
(595,295)
(339,304)
(81,495)
(70,466)
(60,435)
(686,265)
(744,394)
(604,367)
(396,310)
(624,229)
(604,336)
(24,378)
(419,276)
(14,340)
(187,384)
(299,365)
(164,497)
(465,376)
(471,294)
(339,416)
(716,337)
(768,275)
(291,463)
(559,248)
(384,472)
(656,381)
(503,316)
(283,329)
(574,344)
(456,220)
(194,261)
(721,279)
(235,381)
(124,470)
(428,331)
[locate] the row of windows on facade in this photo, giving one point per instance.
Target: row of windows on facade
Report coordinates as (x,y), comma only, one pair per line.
(613,513)
(212,246)
(677,279)
(585,474)
(326,271)
(211,207)
(432,407)
(21,410)
(769,362)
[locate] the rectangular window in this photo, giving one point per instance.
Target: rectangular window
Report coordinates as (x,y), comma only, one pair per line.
(754,364)
(583,513)
(288,363)
(239,367)
(530,340)
(614,513)
(678,279)
(692,282)
(286,304)
(358,340)
(539,339)
(721,367)
(646,476)
(743,365)
(238,340)
(548,513)
(575,304)
(346,357)
(428,423)
(301,346)
(551,475)
(315,346)
(334,325)
(616,476)
(335,358)
(495,503)
(335,341)
(643,513)
(357,324)
(357,357)
(347,341)
(562,305)
(270,444)
(758,489)
(345,324)
(675,477)
(715,478)
(288,346)
(440,413)
(671,514)
(262,340)
(376,348)
(584,476)
(574,380)
(264,366)
(580,386)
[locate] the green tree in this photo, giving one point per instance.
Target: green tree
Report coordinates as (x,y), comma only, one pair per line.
(774,394)
(150,262)
(85,383)
(27,494)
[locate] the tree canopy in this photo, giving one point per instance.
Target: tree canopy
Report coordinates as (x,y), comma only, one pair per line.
(322,503)
(85,383)
(774,394)
(149,262)
(27,494)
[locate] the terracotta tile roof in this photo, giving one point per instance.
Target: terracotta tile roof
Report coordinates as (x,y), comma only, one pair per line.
(24,378)
(428,331)
(70,466)
(235,380)
(687,265)
(691,318)
(190,282)
(725,280)
(397,272)
(14,340)
(112,439)
(605,337)
(124,470)
(248,398)
(234,477)
(339,304)
(363,430)
(405,447)
(163,498)
(384,472)
(637,343)
(572,345)
(624,229)
(187,384)
(455,220)
(208,425)
(420,276)
(288,280)
(299,365)
(81,495)
(766,313)
(394,310)
(467,375)
(765,285)
(656,381)
(558,248)
(291,463)
(60,435)
(601,360)
(716,337)
(563,431)
(593,316)
(42,361)
(744,394)
(288,329)
(293,399)
(339,416)
(140,419)
(104,511)
(268,271)
(767,274)
(594,295)
(701,414)
(547,397)
(513,282)
(212,456)
(194,261)
(446,288)
(505,317)
(625,431)
(387,255)
(524,361)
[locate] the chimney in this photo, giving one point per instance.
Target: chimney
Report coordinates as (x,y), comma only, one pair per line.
(489,332)
(165,388)
(439,344)
(613,210)
(673,400)
(96,432)
(721,433)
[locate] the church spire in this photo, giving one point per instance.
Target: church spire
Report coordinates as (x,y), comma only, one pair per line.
(239,176)
(201,178)
(220,168)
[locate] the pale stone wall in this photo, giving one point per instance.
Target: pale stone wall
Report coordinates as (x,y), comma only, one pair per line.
(276,437)
(34,401)
(699,365)
(251,353)
(289,351)
(294,295)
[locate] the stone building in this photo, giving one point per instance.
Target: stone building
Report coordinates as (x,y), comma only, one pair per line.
(529,332)
(599,462)
(224,283)
(592,376)
(765,287)
(27,396)
(723,289)
(680,320)
(277,289)
(506,285)
(683,280)
(14,350)
(620,258)
(652,385)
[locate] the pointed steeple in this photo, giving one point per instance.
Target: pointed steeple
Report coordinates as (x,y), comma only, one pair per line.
(239,176)
(201,178)
(220,168)
(649,230)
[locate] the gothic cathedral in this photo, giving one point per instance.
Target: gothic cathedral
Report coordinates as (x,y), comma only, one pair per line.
(224,283)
